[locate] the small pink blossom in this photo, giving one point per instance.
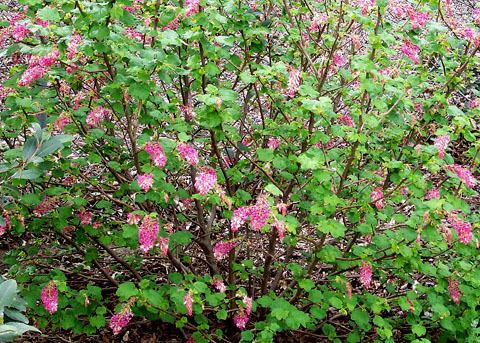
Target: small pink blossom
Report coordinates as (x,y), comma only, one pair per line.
(157,154)
(282,208)
(463,174)
(222,249)
(366,274)
(411,51)
(188,153)
(273,143)
(280,227)
(339,60)
(294,81)
(474,103)
(187,111)
(259,213)
(404,191)
(6,222)
(240,320)
(318,20)
(32,74)
(193,6)
(365,5)
(49,297)
(173,25)
(188,302)
(433,194)
(61,122)
(163,241)
(97,115)
(20,31)
(476,16)
(417,19)
(441,143)
(219,285)
(248,301)
(42,23)
(145,181)
(147,233)
(240,216)
(133,218)
(346,120)
(72,48)
(85,217)
(454,291)
(45,206)
(377,198)
(205,180)
(120,320)
(463,229)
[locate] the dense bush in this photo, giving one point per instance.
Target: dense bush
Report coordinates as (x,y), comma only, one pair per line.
(244,170)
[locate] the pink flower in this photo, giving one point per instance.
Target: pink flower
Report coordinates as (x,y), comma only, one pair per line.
(32,74)
(366,274)
(187,111)
(205,180)
(85,217)
(240,320)
(470,35)
(145,181)
(463,174)
(188,302)
(49,297)
(72,48)
(221,249)
(441,143)
(163,241)
(294,80)
(377,198)
(417,19)
(61,122)
(42,23)
(474,103)
(454,291)
(318,20)
(97,115)
(259,213)
(248,304)
(45,206)
(240,216)
(411,51)
(193,6)
(404,191)
(120,320)
(273,143)
(6,222)
(173,25)
(219,285)
(433,194)
(19,31)
(134,218)
(157,155)
(365,5)
(339,60)
(476,16)
(463,229)
(346,120)
(282,208)
(280,227)
(147,233)
(188,153)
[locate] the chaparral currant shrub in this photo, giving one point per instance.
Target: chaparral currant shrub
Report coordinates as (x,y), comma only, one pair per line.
(241,170)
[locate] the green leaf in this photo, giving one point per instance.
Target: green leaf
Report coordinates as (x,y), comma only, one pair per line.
(419,329)
(274,190)
(265,154)
(8,291)
(29,174)
(53,144)
(127,290)
(49,14)
(361,318)
(222,314)
(29,148)
(181,237)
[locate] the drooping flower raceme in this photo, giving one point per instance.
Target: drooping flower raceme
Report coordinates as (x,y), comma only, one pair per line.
(157,155)
(463,174)
(346,120)
(163,241)
(38,67)
(411,51)
(45,206)
(188,302)
(280,227)
(318,20)
(145,181)
(193,6)
(441,143)
(188,153)
(120,320)
(85,217)
(205,180)
(72,48)
(294,80)
(259,213)
(219,285)
(240,216)
(433,194)
(221,249)
(463,229)
(273,143)
(49,297)
(241,319)
(97,115)
(248,301)
(147,233)
(454,291)
(377,197)
(6,222)
(366,274)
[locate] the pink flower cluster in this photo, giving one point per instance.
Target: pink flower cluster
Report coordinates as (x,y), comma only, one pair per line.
(188,153)
(19,31)
(219,285)
(120,320)
(476,16)
(45,206)
(441,143)
(366,274)
(7,224)
(463,174)
(417,19)
(241,320)
(187,111)
(280,227)
(38,67)
(157,155)
(163,242)
(134,218)
(97,115)
(463,229)
(222,249)
(411,51)
(318,20)
(188,302)
(273,143)
(433,194)
(49,297)
(61,122)
(205,180)
(193,6)
(145,181)
(377,198)
(85,217)
(294,81)
(365,5)
(454,291)
(346,120)
(72,48)
(258,214)
(148,233)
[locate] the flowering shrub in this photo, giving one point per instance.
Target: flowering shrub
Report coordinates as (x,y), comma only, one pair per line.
(242,170)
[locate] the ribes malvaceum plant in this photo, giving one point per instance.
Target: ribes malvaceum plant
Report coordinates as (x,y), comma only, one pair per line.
(244,169)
